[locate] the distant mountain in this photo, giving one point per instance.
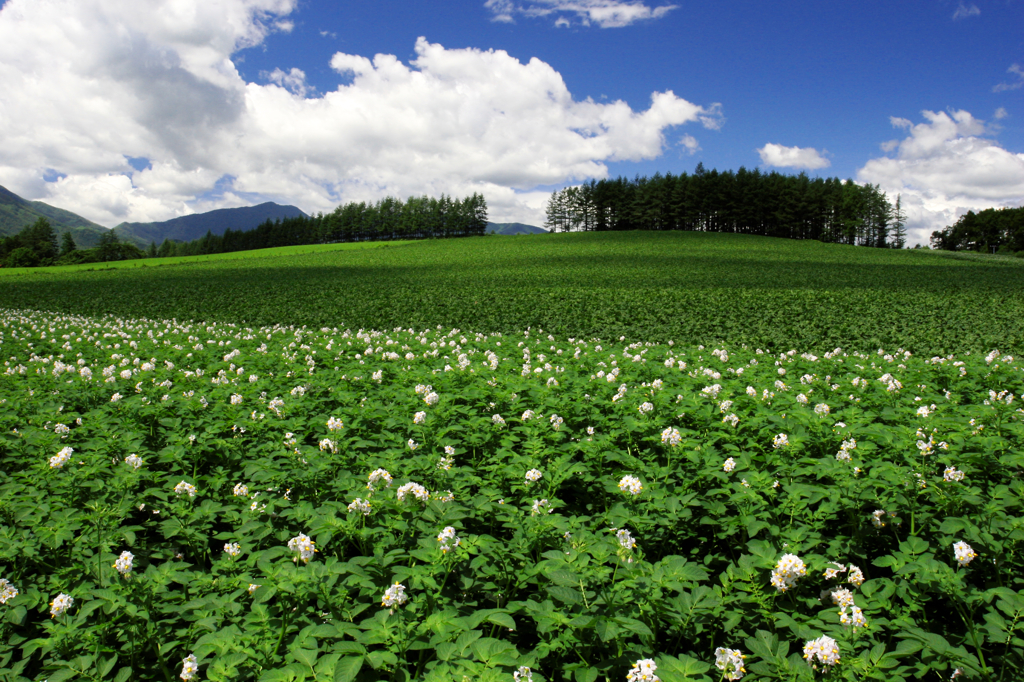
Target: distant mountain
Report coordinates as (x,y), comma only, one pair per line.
(513,228)
(189,227)
(17,213)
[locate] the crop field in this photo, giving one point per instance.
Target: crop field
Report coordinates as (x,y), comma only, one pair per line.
(545,476)
(693,288)
(280,503)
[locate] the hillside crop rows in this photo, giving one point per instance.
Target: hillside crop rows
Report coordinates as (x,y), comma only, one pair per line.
(282,503)
(688,287)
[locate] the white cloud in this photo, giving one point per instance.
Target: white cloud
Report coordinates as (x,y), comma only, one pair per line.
(792,157)
(90,83)
(943,168)
(604,13)
(1000,114)
(1013,84)
(963,11)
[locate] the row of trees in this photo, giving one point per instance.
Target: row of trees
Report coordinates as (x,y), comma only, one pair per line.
(390,218)
(36,245)
(999,229)
(744,202)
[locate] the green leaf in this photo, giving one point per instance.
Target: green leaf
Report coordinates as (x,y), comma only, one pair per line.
(347,668)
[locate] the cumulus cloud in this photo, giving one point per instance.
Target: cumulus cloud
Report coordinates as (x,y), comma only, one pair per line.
(1016,70)
(604,13)
(792,157)
(91,84)
(1000,113)
(944,167)
(963,11)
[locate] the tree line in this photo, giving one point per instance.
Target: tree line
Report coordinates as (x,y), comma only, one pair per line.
(741,202)
(387,219)
(38,245)
(997,229)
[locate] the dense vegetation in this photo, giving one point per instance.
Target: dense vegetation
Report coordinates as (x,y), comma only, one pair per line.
(686,286)
(37,245)
(388,219)
(744,202)
(1001,229)
(287,504)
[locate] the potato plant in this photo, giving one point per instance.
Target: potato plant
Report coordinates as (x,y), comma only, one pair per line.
(213,501)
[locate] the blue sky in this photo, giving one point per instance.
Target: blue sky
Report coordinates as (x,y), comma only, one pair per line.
(188,105)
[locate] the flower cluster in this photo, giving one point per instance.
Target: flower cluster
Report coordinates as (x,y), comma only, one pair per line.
(538,507)
(824,649)
(234,549)
(240,490)
(61,458)
(631,485)
(626,541)
(189,667)
(361,506)
(185,488)
(414,489)
(963,553)
(953,474)
(133,460)
(394,597)
(378,475)
(780,440)
(787,571)
(445,463)
(671,436)
(123,564)
(60,604)
(533,475)
(419,418)
(7,590)
(643,671)
(844,450)
(523,674)
(334,424)
(304,546)
(729,465)
(497,419)
(730,662)
(878,518)
(448,539)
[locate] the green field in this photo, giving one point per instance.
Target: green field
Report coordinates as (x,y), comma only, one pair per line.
(687,287)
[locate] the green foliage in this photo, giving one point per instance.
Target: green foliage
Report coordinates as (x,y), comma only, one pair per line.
(1000,228)
(541,575)
(689,287)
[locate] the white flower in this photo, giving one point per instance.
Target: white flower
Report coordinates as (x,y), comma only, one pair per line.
(445,463)
(538,507)
(643,671)
(123,564)
(114,398)
(528,415)
(671,436)
(645,408)
(7,590)
(61,458)
(412,444)
(359,505)
(952,474)
(855,576)
(556,421)
(232,548)
(496,419)
(533,475)
(833,573)
(878,518)
(855,617)
(842,597)
(448,539)
(189,667)
(449,450)
(253,587)
(419,418)
(626,541)
(801,398)
(824,649)
(822,409)
(431,398)
(334,424)
(394,596)
(305,547)
(133,460)
(730,662)
(183,488)
(631,485)
(523,674)
(275,406)
(328,445)
(731,419)
(964,553)
(729,465)
(60,604)
(787,571)
(240,490)
(415,489)
(378,475)
(780,440)
(236,399)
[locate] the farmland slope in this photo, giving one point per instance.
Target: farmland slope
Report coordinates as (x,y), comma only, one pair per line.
(688,287)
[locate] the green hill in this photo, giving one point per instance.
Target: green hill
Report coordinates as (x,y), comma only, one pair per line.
(17,213)
(513,229)
(690,287)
